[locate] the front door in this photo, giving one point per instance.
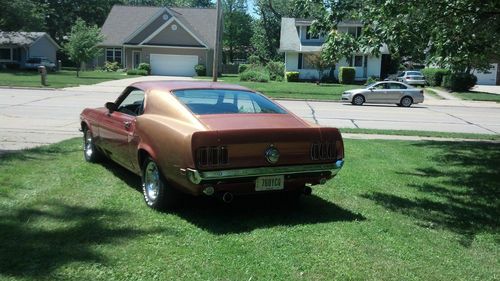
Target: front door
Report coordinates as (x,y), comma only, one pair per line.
(118,127)
(377,93)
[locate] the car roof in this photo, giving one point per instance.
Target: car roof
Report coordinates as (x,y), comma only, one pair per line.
(173,85)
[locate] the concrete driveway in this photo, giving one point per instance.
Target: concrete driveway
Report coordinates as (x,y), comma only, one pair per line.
(31,117)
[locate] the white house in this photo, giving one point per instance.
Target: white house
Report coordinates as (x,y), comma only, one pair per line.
(300,48)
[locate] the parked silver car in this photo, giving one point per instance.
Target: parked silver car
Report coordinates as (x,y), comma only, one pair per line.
(411,78)
(385,92)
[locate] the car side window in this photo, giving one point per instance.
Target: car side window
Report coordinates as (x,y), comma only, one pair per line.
(396,86)
(380,86)
(133,104)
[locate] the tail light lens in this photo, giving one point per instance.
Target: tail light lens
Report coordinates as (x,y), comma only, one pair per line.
(323,151)
(211,156)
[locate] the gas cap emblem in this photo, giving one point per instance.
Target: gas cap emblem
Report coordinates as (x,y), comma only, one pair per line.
(272,154)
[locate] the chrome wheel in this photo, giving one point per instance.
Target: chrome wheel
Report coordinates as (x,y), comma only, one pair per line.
(152,181)
(88,148)
(358,100)
(406,101)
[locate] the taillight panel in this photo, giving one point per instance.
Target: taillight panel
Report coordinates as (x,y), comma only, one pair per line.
(327,151)
(212,156)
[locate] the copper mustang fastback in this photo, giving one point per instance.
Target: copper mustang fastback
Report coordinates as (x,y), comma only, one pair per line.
(209,138)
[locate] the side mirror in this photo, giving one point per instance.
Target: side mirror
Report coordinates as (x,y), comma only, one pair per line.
(111,106)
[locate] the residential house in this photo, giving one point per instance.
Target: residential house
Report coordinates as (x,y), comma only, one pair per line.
(171,40)
(300,48)
(17,47)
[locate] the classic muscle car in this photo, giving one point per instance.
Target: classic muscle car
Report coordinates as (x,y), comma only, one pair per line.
(210,139)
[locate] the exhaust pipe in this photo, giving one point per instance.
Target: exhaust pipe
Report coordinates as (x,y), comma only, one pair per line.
(227,197)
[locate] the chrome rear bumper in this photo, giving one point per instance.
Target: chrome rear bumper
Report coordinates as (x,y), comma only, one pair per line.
(197,177)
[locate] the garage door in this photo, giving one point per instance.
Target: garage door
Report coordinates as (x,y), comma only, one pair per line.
(487,78)
(174,65)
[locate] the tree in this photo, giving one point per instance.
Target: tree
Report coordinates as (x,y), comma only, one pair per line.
(266,33)
(23,15)
(459,35)
(237,28)
(321,62)
(82,43)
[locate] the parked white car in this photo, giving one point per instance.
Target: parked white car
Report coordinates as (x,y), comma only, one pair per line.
(385,92)
(411,78)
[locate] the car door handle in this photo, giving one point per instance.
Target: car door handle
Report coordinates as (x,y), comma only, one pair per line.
(127,124)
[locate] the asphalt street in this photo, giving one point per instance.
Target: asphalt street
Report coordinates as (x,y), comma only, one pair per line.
(30,117)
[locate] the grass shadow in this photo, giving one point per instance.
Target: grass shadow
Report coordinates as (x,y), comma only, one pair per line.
(461,192)
(36,240)
(247,213)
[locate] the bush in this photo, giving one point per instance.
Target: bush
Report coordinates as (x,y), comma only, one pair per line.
(276,69)
(434,76)
(145,66)
(371,80)
(243,67)
(292,76)
(137,72)
(347,75)
(200,69)
(111,66)
(254,75)
(253,59)
(459,82)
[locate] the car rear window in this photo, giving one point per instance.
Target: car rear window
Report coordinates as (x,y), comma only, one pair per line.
(414,73)
(218,101)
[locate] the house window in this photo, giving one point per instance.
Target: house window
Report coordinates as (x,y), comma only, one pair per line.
(358,61)
(309,61)
(5,54)
(310,35)
(114,55)
(355,31)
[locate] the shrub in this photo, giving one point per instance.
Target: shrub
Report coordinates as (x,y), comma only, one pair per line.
(370,80)
(276,69)
(434,76)
(200,69)
(292,76)
(347,75)
(242,68)
(253,59)
(137,72)
(254,75)
(145,66)
(459,82)
(111,66)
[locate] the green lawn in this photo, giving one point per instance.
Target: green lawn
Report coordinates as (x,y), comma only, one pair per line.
(477,96)
(397,211)
(421,133)
(293,90)
(60,79)
(432,93)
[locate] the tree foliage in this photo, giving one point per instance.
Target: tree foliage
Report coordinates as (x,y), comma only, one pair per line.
(22,15)
(266,33)
(82,43)
(237,29)
(454,34)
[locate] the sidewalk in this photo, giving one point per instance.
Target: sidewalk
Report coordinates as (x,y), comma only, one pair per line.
(409,138)
(450,100)
(490,89)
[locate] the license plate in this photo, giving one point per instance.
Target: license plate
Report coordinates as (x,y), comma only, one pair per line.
(270,183)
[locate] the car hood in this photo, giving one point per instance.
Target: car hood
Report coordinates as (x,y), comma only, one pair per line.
(251,121)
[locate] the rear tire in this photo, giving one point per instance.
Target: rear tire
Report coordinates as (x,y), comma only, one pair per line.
(158,194)
(358,100)
(406,102)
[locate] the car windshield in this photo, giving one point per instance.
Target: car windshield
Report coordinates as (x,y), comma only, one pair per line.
(219,101)
(371,85)
(414,73)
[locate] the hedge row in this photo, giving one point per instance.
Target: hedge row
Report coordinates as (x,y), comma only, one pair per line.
(347,75)
(434,76)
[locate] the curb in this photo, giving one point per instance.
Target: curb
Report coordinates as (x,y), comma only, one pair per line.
(29,88)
